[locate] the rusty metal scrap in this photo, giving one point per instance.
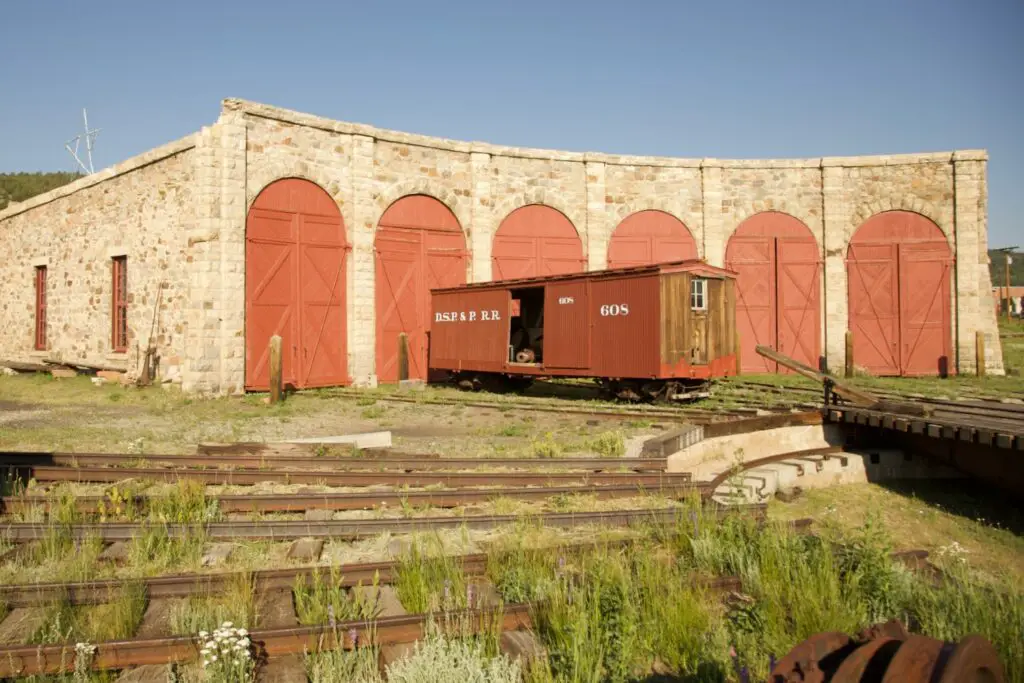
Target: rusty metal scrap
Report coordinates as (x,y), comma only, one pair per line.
(888,653)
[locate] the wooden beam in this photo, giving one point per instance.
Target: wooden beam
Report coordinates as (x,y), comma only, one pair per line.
(844,390)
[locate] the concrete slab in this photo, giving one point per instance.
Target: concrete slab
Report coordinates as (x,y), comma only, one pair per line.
(307,549)
(367,440)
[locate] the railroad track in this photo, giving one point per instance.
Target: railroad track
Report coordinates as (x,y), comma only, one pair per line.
(444,498)
(383,462)
(27,532)
(248,477)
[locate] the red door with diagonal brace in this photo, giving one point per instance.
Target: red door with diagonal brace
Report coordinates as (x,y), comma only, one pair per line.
(419,246)
(778,302)
(536,241)
(295,286)
(898,273)
(650,237)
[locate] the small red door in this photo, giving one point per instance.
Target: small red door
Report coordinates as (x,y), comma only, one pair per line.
(419,247)
(535,241)
(566,325)
(778,287)
(295,286)
(647,237)
(898,273)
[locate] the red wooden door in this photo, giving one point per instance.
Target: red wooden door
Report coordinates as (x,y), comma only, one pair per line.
(419,247)
(898,273)
(295,286)
(753,259)
(778,302)
(534,241)
(647,237)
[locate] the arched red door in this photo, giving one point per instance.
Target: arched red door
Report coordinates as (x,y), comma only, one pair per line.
(295,286)
(778,302)
(536,240)
(419,246)
(898,269)
(650,237)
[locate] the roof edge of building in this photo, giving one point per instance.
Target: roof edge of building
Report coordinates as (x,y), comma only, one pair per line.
(127,166)
(291,116)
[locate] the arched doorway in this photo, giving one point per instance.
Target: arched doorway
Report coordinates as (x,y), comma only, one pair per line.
(650,237)
(295,286)
(898,269)
(419,246)
(778,302)
(536,240)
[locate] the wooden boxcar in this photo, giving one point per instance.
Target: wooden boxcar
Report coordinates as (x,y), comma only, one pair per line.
(644,332)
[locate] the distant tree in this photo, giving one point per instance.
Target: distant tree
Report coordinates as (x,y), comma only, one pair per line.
(17,187)
(997,268)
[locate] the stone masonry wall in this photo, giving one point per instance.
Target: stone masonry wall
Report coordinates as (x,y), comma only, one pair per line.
(366,169)
(140,209)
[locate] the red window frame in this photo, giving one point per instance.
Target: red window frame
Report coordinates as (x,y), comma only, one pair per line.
(40,340)
(119,317)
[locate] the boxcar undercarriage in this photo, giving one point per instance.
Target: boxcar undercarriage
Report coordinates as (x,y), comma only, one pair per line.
(630,390)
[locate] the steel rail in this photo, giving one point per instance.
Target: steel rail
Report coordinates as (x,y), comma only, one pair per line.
(300,502)
(26,532)
(47,473)
(346,576)
(665,414)
(27,660)
(275,462)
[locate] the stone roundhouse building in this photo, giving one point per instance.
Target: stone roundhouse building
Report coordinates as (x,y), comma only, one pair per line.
(331,234)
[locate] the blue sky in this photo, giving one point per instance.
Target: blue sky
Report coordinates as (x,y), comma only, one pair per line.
(718,79)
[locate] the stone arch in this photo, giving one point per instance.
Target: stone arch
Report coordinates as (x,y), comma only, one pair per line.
(648,236)
(744,213)
(539,195)
(778,304)
(868,210)
(536,240)
(422,186)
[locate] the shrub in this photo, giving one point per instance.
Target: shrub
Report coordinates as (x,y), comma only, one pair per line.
(439,659)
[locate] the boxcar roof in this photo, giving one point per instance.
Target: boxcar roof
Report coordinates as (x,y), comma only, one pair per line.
(688,266)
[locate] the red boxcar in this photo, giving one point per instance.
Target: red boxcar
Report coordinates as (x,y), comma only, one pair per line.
(647,331)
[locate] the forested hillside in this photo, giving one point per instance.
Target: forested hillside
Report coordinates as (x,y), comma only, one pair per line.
(17,187)
(997,268)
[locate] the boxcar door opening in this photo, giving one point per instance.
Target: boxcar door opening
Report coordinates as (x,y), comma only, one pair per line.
(526,326)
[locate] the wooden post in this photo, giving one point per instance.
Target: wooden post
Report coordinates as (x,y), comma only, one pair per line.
(403,356)
(979,352)
(849,354)
(1009,260)
(275,369)
(739,361)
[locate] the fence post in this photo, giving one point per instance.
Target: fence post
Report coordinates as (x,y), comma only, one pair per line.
(403,356)
(275,369)
(979,352)
(739,361)
(849,354)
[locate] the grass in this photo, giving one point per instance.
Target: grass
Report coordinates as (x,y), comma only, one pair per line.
(608,444)
(322,599)
(116,619)
(155,551)
(430,581)
(343,666)
(237,604)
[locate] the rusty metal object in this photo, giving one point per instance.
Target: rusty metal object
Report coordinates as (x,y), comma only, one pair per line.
(444,498)
(888,653)
(751,464)
(406,463)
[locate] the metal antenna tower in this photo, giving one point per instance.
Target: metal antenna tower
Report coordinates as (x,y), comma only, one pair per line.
(90,137)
